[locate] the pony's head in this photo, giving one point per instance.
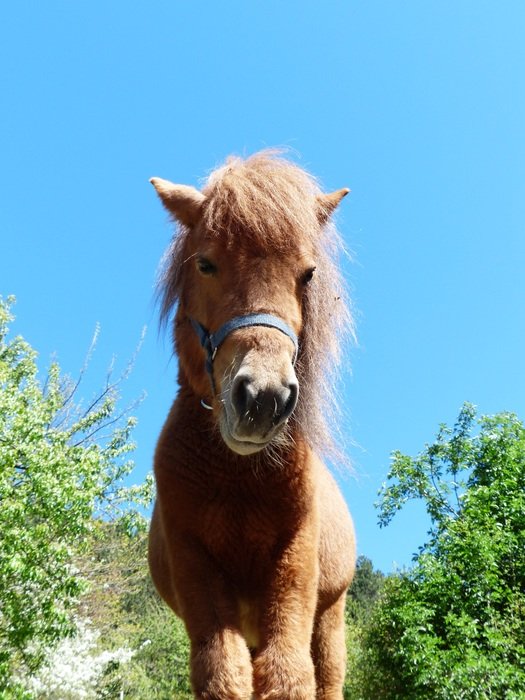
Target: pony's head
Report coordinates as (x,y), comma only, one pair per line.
(256,295)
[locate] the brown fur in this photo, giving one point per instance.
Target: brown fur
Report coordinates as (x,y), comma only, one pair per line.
(254,550)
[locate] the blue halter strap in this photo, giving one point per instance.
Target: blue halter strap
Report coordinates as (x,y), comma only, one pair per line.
(212,341)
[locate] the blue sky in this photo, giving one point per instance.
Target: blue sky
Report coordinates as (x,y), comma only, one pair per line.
(418,107)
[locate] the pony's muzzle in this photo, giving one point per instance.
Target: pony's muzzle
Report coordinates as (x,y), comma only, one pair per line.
(256,407)
(258,389)
(261,410)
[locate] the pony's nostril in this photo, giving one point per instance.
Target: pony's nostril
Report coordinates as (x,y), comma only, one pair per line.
(291,401)
(241,394)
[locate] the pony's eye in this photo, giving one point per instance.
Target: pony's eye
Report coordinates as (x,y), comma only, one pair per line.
(307,276)
(205,267)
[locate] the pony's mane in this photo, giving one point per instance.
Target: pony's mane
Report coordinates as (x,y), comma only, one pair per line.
(272,203)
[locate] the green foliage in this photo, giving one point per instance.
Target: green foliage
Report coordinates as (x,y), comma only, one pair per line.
(126,609)
(364,591)
(54,477)
(454,626)
(437,475)
(361,601)
(161,669)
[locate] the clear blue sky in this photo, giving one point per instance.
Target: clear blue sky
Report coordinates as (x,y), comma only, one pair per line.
(418,107)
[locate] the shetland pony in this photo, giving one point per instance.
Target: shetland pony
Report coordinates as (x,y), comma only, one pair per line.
(251,543)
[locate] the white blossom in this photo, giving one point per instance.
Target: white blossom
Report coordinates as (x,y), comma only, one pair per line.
(74,668)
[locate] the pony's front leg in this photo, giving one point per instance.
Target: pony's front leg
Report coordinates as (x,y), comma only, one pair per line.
(283,667)
(220,660)
(221,666)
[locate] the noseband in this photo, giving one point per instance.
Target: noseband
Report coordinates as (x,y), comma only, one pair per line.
(212,341)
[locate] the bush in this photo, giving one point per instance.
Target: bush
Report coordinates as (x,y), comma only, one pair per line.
(54,477)
(454,626)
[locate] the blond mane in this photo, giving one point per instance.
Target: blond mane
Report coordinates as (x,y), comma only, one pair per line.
(272,203)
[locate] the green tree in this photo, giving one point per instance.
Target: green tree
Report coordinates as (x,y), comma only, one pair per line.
(454,625)
(365,589)
(361,600)
(56,473)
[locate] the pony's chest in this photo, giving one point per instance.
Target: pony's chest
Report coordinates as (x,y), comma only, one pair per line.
(243,536)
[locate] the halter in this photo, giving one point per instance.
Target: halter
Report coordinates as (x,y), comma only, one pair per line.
(212,341)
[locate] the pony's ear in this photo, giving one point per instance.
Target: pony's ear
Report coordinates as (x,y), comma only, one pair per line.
(327,203)
(184,202)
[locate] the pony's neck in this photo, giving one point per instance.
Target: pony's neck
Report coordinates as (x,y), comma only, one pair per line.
(196,438)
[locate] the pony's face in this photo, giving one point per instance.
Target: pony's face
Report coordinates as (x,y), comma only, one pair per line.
(255,382)
(225,275)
